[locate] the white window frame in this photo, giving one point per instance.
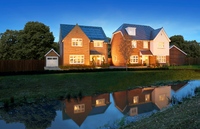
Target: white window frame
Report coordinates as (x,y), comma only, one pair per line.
(134,43)
(76,59)
(98,43)
(161,59)
(133,111)
(161,45)
(100,102)
(134,59)
(77,42)
(79,108)
(131,31)
(145,44)
(135,99)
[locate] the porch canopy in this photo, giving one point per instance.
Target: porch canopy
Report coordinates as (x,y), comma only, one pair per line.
(146,53)
(94,52)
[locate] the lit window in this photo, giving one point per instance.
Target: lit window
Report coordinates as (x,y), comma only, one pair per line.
(98,43)
(100,102)
(77,42)
(147,97)
(161,59)
(133,111)
(134,44)
(136,99)
(162,97)
(76,59)
(134,59)
(145,44)
(79,108)
(161,45)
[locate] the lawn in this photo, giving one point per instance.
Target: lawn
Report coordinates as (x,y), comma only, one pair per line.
(53,86)
(185,67)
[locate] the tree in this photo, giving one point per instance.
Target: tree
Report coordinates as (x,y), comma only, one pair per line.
(35,40)
(125,47)
(177,40)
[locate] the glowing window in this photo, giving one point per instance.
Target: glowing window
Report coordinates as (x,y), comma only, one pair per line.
(162,97)
(76,59)
(77,42)
(134,44)
(147,97)
(98,43)
(133,111)
(161,45)
(134,59)
(136,99)
(79,108)
(145,44)
(161,59)
(100,102)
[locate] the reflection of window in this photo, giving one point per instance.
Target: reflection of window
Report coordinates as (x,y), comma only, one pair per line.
(79,108)
(134,44)
(76,59)
(145,44)
(135,99)
(98,43)
(161,45)
(100,102)
(161,59)
(162,97)
(147,97)
(77,42)
(133,111)
(134,59)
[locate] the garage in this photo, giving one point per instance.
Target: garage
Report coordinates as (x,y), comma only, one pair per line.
(52,58)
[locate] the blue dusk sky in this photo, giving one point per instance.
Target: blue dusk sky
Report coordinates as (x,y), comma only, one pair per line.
(177,17)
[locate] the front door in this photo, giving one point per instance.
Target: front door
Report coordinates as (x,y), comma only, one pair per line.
(146,60)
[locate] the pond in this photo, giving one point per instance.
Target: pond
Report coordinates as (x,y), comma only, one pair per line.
(97,111)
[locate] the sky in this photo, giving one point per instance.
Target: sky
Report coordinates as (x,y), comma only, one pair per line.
(177,17)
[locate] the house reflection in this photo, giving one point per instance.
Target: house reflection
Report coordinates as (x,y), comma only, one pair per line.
(78,109)
(141,100)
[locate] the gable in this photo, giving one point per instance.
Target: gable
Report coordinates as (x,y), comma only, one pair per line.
(173,46)
(161,33)
(52,52)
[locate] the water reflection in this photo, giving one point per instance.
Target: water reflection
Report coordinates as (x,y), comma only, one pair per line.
(95,111)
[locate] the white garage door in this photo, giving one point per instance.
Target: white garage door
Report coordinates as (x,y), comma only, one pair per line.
(51,61)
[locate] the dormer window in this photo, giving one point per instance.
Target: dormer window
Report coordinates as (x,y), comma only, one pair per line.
(131,31)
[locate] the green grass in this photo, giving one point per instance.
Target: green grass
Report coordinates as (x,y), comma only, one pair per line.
(185,67)
(60,85)
(182,116)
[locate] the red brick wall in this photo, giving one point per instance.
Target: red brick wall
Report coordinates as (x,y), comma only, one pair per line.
(68,49)
(177,57)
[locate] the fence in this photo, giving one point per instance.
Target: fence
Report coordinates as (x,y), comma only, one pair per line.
(192,61)
(21,65)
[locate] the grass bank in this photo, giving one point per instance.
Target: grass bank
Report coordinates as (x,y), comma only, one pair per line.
(181,116)
(31,87)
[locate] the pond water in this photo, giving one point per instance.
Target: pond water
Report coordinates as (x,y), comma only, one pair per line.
(98,111)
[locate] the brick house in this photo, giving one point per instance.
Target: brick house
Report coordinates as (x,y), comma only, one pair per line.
(82,45)
(177,56)
(149,46)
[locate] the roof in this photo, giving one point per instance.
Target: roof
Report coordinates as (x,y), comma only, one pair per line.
(51,51)
(146,52)
(92,32)
(94,52)
(178,49)
(143,32)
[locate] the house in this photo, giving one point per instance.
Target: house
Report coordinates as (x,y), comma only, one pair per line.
(149,46)
(79,109)
(177,56)
(82,45)
(51,59)
(141,100)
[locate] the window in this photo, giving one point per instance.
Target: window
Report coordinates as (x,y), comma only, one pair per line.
(131,31)
(145,44)
(162,97)
(79,108)
(147,97)
(76,59)
(161,45)
(136,99)
(134,44)
(98,43)
(161,59)
(77,42)
(133,111)
(100,102)
(134,59)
